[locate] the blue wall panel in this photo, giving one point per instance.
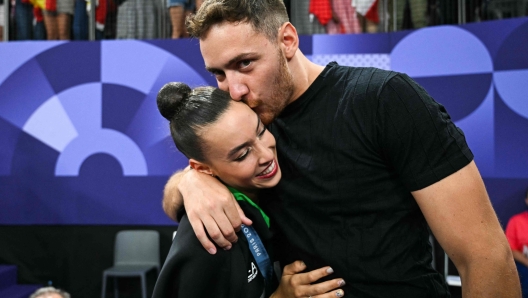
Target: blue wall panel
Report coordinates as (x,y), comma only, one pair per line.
(83,143)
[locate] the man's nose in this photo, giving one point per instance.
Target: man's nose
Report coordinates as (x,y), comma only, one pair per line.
(237,91)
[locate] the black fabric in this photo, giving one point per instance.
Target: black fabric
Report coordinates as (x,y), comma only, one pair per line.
(190,271)
(73,257)
(351,150)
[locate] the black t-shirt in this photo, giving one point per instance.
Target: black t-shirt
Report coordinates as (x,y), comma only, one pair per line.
(351,150)
(190,271)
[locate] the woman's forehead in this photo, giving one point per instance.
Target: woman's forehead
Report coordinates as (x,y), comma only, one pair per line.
(234,127)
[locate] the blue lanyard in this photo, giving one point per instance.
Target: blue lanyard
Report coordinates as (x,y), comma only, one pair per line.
(259,252)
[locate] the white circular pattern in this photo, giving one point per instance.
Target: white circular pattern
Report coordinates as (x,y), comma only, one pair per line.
(358,60)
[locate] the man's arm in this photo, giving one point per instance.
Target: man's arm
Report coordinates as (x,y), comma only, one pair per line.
(458,210)
(172,198)
(207,203)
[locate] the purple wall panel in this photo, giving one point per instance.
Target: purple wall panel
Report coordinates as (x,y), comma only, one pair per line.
(53,170)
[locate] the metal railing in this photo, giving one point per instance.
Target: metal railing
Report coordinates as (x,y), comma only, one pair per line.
(152,19)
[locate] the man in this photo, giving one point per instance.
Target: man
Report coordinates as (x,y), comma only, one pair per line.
(369,162)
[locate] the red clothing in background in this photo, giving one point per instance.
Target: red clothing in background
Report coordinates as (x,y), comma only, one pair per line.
(517,232)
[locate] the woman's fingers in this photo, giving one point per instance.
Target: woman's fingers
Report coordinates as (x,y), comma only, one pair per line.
(293,268)
(312,276)
(296,284)
(326,289)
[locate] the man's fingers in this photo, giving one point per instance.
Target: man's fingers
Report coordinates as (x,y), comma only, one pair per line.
(241,216)
(233,221)
(215,233)
(199,231)
(226,229)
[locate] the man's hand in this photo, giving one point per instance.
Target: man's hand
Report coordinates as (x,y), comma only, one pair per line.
(207,203)
(458,210)
(296,284)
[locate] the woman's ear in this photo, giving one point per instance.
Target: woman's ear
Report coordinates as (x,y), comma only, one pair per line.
(288,40)
(200,167)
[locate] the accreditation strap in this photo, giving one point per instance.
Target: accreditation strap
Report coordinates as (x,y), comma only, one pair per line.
(258,251)
(255,244)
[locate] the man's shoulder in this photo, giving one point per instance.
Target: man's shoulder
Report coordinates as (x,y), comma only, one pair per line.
(363,75)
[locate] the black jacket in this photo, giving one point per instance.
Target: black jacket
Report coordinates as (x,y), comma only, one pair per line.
(190,271)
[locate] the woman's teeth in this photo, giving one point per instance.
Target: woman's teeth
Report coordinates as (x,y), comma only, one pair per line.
(269,169)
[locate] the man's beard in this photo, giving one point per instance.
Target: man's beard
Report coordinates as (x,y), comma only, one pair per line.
(281,93)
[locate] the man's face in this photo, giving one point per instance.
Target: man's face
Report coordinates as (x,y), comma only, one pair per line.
(250,67)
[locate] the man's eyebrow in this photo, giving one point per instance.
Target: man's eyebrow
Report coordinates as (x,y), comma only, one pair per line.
(233,60)
(212,70)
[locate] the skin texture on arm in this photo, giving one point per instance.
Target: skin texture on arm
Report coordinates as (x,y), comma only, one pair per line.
(207,203)
(458,210)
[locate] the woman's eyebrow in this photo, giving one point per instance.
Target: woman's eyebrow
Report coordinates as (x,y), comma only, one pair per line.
(237,148)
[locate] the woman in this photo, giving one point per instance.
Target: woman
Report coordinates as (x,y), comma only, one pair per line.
(226,139)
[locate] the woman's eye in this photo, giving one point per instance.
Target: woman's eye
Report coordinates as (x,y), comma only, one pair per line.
(243,155)
(262,132)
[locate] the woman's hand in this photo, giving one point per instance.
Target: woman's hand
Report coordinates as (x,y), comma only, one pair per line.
(296,284)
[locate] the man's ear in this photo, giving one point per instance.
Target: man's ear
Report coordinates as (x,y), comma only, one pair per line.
(200,167)
(288,40)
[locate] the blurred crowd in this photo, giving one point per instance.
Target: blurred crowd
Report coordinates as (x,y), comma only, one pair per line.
(149,19)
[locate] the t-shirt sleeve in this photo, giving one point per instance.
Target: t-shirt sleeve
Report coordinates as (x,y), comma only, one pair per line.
(417,135)
(512,235)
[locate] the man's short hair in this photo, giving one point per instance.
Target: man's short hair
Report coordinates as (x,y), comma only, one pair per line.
(265,16)
(49,290)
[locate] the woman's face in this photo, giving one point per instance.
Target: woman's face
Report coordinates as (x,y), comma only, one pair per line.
(240,150)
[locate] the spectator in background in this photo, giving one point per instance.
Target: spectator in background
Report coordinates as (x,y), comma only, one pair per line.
(80,21)
(517,234)
(305,21)
(24,19)
(138,19)
(39,30)
(2,20)
(178,10)
(57,18)
(50,292)
(344,18)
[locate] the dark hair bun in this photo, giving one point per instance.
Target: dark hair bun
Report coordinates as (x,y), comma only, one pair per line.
(171,99)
